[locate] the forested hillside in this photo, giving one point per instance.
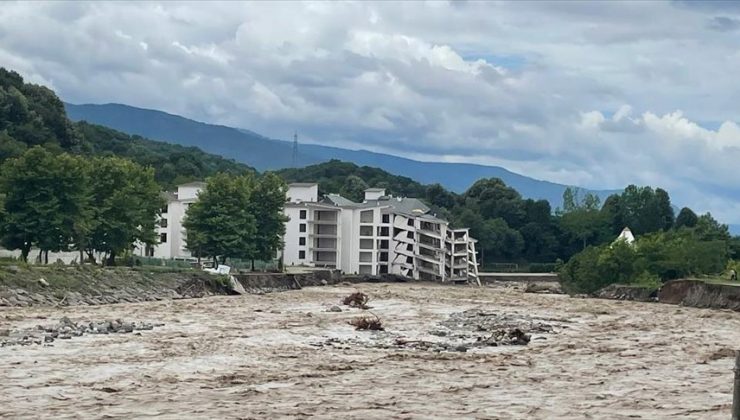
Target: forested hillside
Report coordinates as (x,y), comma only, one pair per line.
(32,115)
(270,154)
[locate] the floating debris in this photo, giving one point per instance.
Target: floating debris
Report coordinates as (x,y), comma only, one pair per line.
(367,323)
(357,300)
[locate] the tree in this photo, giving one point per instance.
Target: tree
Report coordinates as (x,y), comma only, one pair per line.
(613,214)
(686,218)
(502,243)
(437,195)
(127,204)
(709,229)
(354,188)
(587,226)
(497,200)
(581,217)
(267,201)
(221,224)
(575,198)
(646,210)
(46,201)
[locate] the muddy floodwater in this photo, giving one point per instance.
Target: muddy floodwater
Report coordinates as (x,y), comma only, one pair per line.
(287,355)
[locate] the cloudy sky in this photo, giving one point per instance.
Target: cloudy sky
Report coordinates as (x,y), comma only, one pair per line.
(595,94)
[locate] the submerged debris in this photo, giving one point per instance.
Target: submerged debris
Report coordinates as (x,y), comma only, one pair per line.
(544,288)
(479,320)
(357,300)
(504,337)
(66,329)
(460,332)
(371,323)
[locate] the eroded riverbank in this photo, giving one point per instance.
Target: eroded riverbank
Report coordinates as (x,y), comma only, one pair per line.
(284,354)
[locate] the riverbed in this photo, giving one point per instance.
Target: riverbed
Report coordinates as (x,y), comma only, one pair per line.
(290,354)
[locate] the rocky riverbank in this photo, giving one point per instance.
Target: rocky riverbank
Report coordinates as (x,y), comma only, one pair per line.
(58,285)
(72,285)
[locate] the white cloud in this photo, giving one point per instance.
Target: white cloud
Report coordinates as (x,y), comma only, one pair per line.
(569,92)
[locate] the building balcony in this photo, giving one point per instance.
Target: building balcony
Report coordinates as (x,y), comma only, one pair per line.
(431,247)
(402,237)
(321,222)
(459,265)
(429,259)
(433,233)
(403,223)
(324,235)
(403,264)
(463,252)
(401,250)
(428,270)
(322,249)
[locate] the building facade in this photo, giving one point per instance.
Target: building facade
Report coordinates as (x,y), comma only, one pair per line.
(381,235)
(172,236)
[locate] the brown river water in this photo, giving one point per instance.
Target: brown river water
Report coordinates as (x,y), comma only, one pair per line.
(283,355)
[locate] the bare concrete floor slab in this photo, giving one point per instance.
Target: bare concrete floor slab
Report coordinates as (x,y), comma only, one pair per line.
(284,355)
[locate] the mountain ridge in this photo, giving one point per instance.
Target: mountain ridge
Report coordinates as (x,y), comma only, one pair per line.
(264,153)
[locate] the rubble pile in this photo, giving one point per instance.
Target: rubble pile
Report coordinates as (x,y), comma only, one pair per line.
(66,329)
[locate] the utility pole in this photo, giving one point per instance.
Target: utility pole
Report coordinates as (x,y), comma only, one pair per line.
(295,149)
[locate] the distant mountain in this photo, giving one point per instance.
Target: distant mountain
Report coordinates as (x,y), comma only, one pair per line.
(268,154)
(37,117)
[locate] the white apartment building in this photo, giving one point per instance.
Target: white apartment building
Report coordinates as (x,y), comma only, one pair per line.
(171,233)
(381,235)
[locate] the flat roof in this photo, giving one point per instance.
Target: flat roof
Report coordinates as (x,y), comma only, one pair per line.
(302,184)
(375,190)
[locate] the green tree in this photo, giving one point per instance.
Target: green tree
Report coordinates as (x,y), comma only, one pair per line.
(438,196)
(686,218)
(127,204)
(267,201)
(354,188)
(586,226)
(221,224)
(645,210)
(502,243)
(709,229)
(46,201)
(497,200)
(613,214)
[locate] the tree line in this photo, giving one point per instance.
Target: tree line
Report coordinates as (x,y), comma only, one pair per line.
(109,205)
(63,202)
(509,227)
